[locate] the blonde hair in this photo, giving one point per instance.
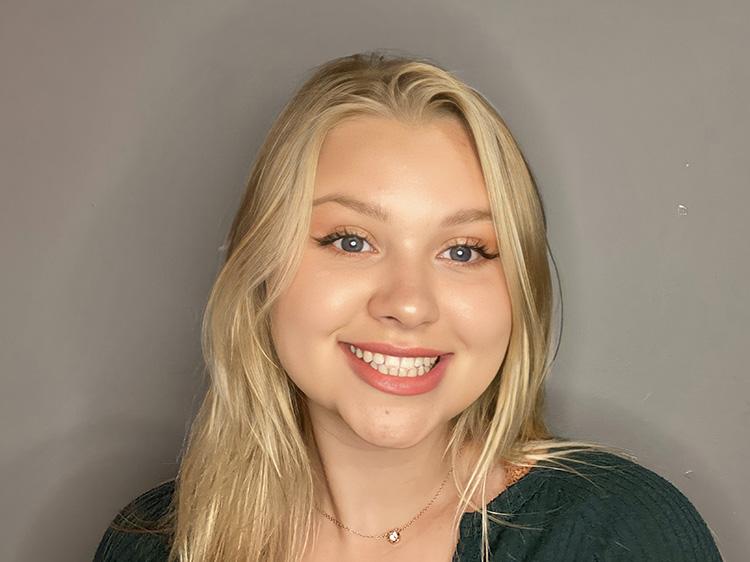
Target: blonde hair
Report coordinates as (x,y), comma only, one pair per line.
(245,486)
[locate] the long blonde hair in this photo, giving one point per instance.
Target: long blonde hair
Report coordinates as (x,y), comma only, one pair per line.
(245,486)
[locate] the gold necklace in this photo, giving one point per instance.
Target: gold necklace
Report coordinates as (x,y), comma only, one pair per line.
(394,535)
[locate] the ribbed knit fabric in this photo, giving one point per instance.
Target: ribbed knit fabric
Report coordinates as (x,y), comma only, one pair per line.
(617,514)
(621,513)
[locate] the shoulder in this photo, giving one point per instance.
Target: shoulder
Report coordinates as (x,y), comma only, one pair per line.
(135,534)
(622,510)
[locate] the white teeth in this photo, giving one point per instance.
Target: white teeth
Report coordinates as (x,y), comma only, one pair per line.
(395,366)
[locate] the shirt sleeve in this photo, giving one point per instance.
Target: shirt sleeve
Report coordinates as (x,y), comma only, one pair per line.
(642,517)
(131,536)
(119,546)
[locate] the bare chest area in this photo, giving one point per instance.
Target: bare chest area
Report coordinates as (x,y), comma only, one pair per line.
(432,540)
(435,543)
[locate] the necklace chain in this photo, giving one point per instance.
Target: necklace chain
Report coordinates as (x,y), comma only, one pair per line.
(394,534)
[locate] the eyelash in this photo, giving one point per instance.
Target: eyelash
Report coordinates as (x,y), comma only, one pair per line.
(329,239)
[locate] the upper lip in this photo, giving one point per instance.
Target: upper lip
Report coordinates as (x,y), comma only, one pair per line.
(388,349)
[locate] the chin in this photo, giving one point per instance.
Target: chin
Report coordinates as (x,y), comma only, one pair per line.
(389,430)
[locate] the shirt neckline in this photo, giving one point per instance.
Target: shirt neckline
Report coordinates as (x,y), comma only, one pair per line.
(471,521)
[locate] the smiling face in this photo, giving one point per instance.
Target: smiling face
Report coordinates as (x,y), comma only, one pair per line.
(408,279)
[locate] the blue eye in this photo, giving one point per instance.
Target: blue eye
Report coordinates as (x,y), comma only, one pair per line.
(462,252)
(354,242)
(350,242)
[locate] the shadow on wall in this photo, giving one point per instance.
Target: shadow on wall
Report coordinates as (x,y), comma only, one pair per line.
(115,460)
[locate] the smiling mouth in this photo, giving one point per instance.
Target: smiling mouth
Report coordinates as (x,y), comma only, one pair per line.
(395,366)
(403,379)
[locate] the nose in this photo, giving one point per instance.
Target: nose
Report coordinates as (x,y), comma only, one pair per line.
(404,294)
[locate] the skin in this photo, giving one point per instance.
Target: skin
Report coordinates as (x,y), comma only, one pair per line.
(405,283)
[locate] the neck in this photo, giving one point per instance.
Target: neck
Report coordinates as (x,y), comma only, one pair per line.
(373,489)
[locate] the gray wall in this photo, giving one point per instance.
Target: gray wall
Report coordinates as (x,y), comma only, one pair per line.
(127,132)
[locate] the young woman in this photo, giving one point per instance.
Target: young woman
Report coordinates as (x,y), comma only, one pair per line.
(377,341)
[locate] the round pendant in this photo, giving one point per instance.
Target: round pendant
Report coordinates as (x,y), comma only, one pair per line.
(394,536)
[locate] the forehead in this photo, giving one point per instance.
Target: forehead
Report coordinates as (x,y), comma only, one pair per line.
(380,158)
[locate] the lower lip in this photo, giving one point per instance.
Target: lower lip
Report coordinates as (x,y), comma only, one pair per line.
(403,386)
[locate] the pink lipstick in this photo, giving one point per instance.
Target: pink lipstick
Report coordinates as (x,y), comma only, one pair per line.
(391,384)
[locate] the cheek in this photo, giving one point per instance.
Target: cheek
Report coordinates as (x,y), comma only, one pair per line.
(317,301)
(481,321)
(480,313)
(306,319)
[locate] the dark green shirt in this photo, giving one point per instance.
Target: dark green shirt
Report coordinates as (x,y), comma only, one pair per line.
(628,513)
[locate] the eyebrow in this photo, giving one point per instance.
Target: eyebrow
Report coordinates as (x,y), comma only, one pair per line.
(377,212)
